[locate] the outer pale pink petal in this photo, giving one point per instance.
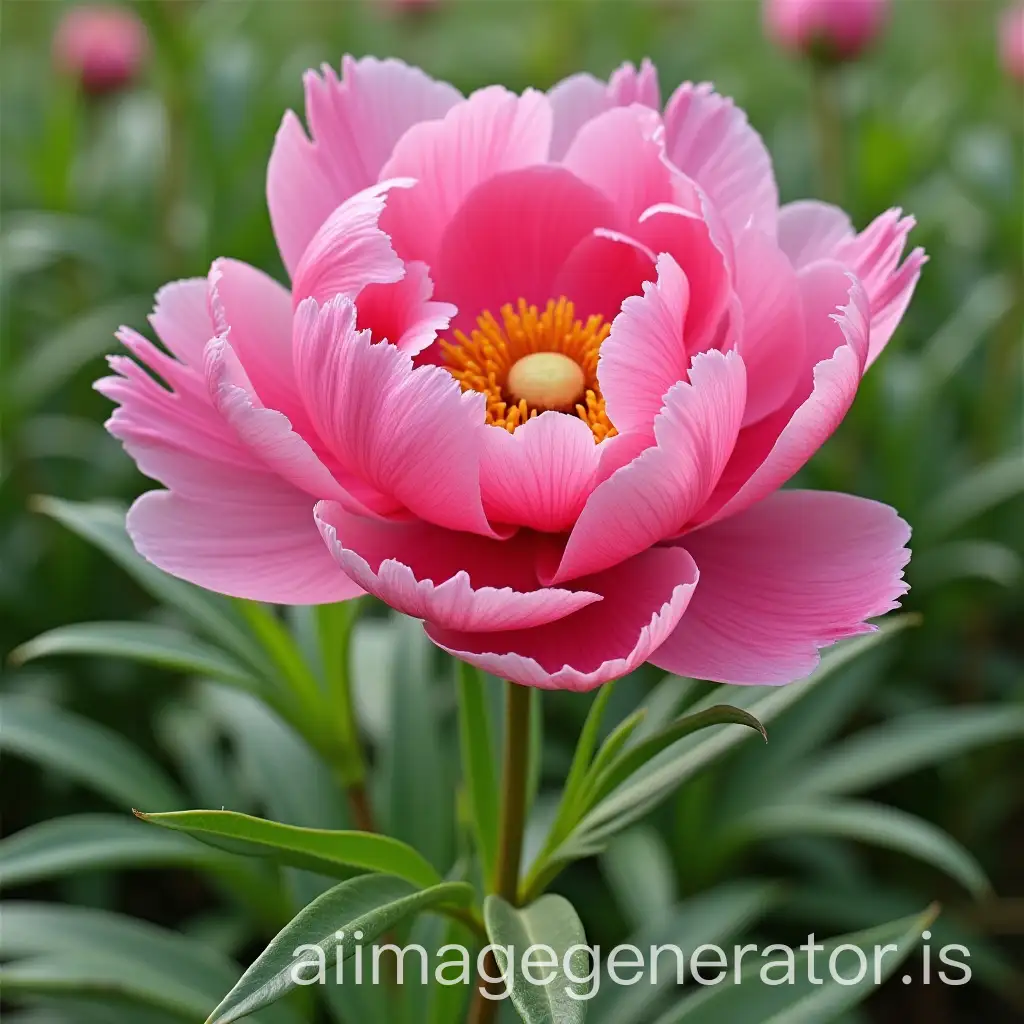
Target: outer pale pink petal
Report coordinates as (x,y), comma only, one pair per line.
(255,312)
(644,599)
(182,319)
(602,271)
(403,312)
(688,237)
(772,337)
(541,475)
(645,354)
(651,498)
(574,101)
(810,230)
(709,139)
(768,453)
(579,98)
(355,124)
(408,433)
(628,85)
(796,572)
(511,238)
(257,542)
(350,251)
(621,153)
(267,433)
(491,132)
(874,256)
(442,576)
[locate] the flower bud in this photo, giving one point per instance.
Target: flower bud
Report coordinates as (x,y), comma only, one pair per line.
(827,30)
(1011,41)
(103,48)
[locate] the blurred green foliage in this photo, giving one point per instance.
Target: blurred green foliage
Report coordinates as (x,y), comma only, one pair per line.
(102,201)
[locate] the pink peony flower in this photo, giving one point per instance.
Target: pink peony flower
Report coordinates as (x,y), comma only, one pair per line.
(1011,41)
(830,29)
(545,362)
(101,47)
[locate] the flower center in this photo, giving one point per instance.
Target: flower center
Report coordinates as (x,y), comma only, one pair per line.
(532,362)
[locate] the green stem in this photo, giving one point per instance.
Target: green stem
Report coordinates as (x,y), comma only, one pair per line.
(334,626)
(828,127)
(514,778)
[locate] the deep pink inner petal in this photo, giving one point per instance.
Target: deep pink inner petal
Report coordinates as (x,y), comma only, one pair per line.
(511,238)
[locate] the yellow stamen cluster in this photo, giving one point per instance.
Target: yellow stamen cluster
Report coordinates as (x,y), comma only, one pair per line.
(483,360)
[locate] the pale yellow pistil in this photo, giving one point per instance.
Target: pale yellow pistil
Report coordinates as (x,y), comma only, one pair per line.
(546,381)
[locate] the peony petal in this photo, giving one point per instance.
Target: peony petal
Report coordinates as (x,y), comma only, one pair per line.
(768,453)
(403,312)
(258,543)
(581,97)
(511,238)
(874,256)
(491,132)
(651,498)
(541,475)
(621,154)
(355,124)
(267,433)
(644,599)
(456,580)
(645,354)
(255,313)
(796,572)
(602,271)
(810,230)
(709,139)
(690,240)
(772,340)
(182,321)
(408,433)
(349,251)
(628,85)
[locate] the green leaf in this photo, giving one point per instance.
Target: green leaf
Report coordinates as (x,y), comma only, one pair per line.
(478,773)
(874,756)
(714,916)
(82,750)
(370,904)
(60,356)
(550,921)
(66,951)
(753,1002)
(103,526)
(83,842)
(870,823)
(973,494)
(139,641)
(633,759)
(332,853)
(640,872)
(636,798)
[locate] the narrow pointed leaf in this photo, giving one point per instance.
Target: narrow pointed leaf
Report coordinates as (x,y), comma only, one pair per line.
(550,921)
(633,759)
(370,904)
(139,641)
(803,1002)
(334,853)
(80,749)
(875,824)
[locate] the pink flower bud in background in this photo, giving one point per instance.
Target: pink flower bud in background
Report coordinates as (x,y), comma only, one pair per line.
(1011,41)
(103,48)
(825,29)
